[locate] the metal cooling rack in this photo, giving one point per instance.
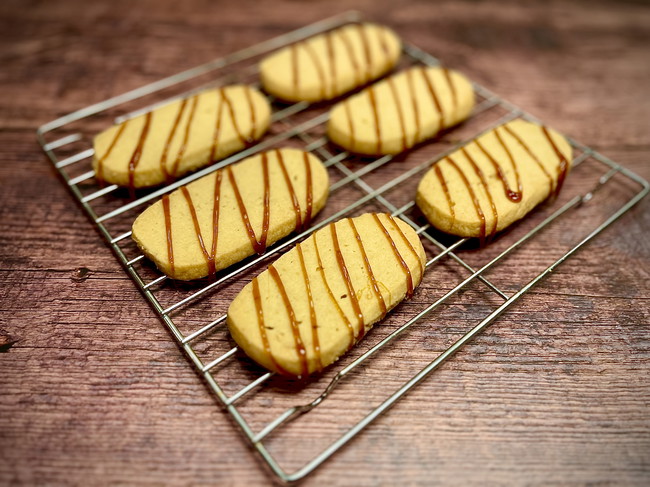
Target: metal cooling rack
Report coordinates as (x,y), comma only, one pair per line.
(69,146)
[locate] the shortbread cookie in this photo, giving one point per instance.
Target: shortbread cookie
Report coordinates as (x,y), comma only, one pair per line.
(316,301)
(401,111)
(495,179)
(180,137)
(330,64)
(233,213)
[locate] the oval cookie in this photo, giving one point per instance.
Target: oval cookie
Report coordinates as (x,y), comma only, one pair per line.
(235,212)
(495,179)
(316,301)
(401,111)
(330,64)
(180,137)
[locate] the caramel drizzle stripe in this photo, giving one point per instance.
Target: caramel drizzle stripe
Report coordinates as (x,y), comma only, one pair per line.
(371,275)
(168,232)
(100,160)
(260,321)
(170,137)
(257,245)
(382,42)
(217,128)
(532,155)
(321,269)
(197,229)
(186,136)
(309,193)
(353,140)
(434,96)
(445,189)
(319,68)
(137,153)
(512,161)
(294,197)
(407,242)
(414,103)
(477,206)
(351,56)
(251,108)
(484,183)
(452,88)
(563,164)
(348,282)
(300,346)
(233,117)
(215,219)
(398,107)
(514,196)
(294,68)
(331,56)
(375,113)
(366,50)
(312,311)
(398,256)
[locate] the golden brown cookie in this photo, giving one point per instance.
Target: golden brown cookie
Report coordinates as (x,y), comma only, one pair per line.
(235,212)
(181,136)
(495,179)
(316,301)
(401,111)
(330,64)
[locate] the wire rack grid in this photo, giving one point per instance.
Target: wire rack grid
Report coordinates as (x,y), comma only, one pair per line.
(195,313)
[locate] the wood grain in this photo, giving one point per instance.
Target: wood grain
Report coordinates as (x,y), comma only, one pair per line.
(95,392)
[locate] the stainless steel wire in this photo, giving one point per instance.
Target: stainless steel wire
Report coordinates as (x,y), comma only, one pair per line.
(302,131)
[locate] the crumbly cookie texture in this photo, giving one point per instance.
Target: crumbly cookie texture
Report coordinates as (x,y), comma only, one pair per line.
(233,213)
(180,137)
(316,301)
(401,111)
(330,64)
(494,180)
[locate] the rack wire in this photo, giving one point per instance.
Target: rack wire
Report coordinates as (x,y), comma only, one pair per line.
(194,313)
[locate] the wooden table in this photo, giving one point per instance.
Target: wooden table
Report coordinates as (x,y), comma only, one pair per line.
(95,392)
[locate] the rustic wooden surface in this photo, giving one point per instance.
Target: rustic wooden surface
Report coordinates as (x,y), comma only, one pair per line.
(93,390)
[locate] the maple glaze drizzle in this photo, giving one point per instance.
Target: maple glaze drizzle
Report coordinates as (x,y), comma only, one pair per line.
(170,137)
(215,221)
(382,42)
(309,193)
(366,50)
(294,197)
(351,56)
(197,229)
(262,327)
(375,113)
(321,269)
(532,155)
(300,346)
(319,68)
(398,256)
(251,108)
(312,311)
(445,189)
(100,160)
(484,183)
(233,117)
(512,161)
(407,242)
(348,114)
(258,245)
(434,96)
(514,196)
(563,164)
(217,128)
(348,282)
(168,232)
(414,104)
(398,107)
(477,206)
(294,66)
(331,58)
(371,275)
(186,136)
(137,153)
(452,88)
